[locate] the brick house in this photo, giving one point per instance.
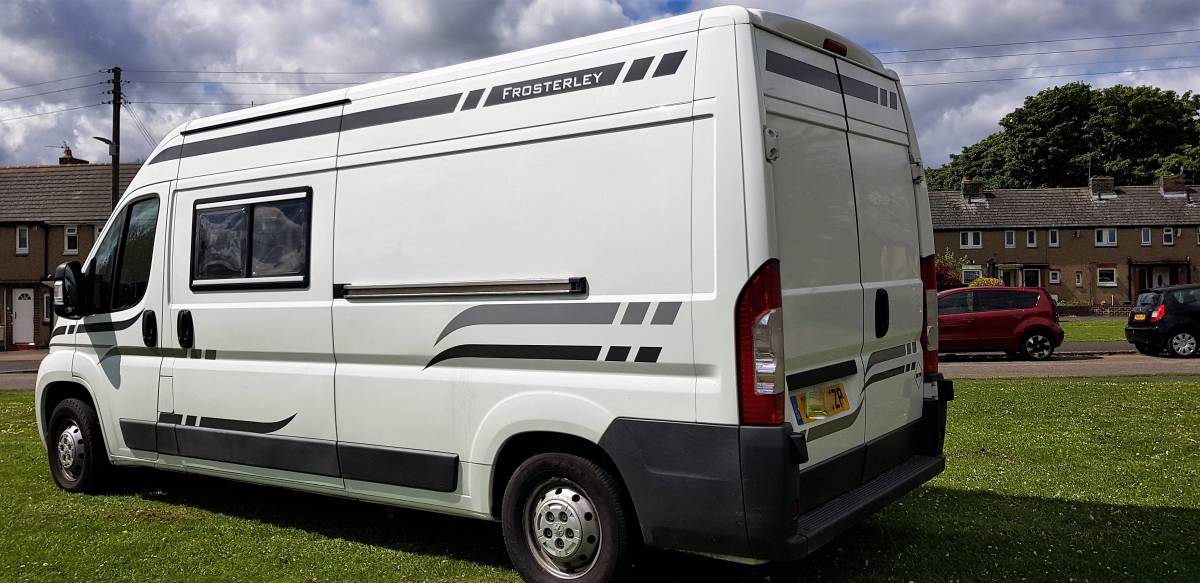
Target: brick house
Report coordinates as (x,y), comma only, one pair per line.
(48,215)
(1100,244)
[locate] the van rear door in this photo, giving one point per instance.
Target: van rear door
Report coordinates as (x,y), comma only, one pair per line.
(818,249)
(888,240)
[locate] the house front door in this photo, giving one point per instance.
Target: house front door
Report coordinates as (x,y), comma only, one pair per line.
(1161,276)
(1032,277)
(1010,277)
(22,316)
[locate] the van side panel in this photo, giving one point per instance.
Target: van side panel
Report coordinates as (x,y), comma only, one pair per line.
(590,184)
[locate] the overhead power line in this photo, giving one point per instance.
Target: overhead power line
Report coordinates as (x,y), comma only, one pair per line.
(199,72)
(1051,66)
(49,92)
(193,103)
(1035,42)
(1187,42)
(1049,76)
(47,82)
(49,112)
(219,82)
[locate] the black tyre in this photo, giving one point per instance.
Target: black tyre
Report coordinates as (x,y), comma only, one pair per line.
(1037,345)
(78,459)
(564,519)
(1183,344)
(1147,349)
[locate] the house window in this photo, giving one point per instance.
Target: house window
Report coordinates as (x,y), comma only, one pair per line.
(1169,236)
(1078,279)
(971,273)
(1055,276)
(47,306)
(1052,237)
(1010,239)
(1106,277)
(970,239)
(71,240)
(22,240)
(1031,238)
(1147,237)
(1106,237)
(259,241)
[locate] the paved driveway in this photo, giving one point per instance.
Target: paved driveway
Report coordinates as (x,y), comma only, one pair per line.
(983,367)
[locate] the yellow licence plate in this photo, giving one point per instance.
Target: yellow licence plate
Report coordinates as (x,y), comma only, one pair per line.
(817,404)
(1139,316)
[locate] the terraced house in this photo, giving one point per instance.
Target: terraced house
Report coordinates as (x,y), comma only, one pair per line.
(1100,244)
(48,215)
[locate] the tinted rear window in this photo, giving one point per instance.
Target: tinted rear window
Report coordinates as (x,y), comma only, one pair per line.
(1185,296)
(954,303)
(1149,299)
(986,301)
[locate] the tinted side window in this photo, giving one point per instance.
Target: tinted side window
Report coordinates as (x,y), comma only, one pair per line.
(257,240)
(991,300)
(954,304)
(120,270)
(104,266)
(1024,300)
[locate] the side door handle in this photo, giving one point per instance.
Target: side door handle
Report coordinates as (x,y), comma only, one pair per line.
(185,330)
(149,328)
(883,313)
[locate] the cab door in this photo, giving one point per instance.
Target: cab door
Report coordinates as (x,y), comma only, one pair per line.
(117,353)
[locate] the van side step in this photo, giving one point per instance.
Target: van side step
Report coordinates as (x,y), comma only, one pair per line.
(825,522)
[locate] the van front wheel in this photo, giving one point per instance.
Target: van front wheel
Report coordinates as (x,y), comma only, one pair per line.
(78,460)
(564,520)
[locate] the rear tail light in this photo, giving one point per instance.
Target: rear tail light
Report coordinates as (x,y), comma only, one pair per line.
(929,333)
(1159,312)
(759,334)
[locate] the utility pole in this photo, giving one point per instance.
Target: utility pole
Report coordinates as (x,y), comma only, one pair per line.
(114,147)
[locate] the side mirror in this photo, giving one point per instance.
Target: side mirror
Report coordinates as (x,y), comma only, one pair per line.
(70,299)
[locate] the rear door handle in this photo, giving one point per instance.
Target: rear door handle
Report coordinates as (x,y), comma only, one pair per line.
(149,328)
(185,330)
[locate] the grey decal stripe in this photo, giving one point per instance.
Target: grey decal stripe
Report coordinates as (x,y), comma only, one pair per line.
(669,64)
(518,351)
(589,78)
(472,99)
(817,376)
(860,89)
(638,69)
(802,72)
(58,331)
(172,418)
(886,355)
(108,326)
(401,112)
(665,314)
(887,374)
(835,425)
(648,354)
(167,154)
(189,420)
(306,129)
(617,354)
(510,314)
(635,313)
(243,426)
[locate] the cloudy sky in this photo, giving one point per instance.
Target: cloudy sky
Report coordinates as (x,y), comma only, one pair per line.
(191,58)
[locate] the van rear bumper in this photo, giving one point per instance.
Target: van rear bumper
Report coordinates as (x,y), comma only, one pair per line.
(738,491)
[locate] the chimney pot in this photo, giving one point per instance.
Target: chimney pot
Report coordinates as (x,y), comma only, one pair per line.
(1102,185)
(972,188)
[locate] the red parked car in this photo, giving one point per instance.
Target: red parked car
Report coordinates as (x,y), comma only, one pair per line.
(1020,321)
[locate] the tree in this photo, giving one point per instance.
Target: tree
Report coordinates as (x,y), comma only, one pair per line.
(948,267)
(1133,134)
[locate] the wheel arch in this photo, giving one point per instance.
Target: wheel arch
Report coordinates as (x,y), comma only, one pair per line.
(57,391)
(519,447)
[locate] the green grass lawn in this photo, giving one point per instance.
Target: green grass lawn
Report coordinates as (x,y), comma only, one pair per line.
(1094,329)
(1071,479)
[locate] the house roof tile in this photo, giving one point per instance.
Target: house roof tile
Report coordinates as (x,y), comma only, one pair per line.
(1129,206)
(59,194)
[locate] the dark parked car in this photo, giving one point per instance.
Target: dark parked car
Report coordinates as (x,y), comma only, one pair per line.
(1020,321)
(1166,319)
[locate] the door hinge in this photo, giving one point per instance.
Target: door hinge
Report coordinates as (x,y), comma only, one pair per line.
(771,144)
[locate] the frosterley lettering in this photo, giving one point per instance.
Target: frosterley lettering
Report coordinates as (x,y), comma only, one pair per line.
(554,84)
(539,87)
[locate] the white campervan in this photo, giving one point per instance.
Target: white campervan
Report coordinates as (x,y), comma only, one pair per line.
(671,284)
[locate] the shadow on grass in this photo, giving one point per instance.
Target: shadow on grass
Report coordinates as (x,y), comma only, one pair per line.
(1001,357)
(931,534)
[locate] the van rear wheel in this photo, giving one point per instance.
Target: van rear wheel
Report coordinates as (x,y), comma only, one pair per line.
(564,520)
(78,459)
